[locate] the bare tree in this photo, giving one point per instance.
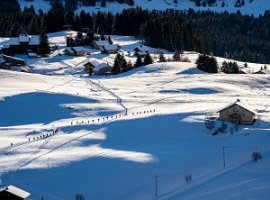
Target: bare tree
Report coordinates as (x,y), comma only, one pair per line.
(79,197)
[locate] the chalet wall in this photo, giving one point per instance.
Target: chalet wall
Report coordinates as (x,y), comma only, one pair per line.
(237,114)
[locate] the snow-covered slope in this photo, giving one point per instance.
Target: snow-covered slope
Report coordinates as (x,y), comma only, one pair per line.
(63,132)
(255,7)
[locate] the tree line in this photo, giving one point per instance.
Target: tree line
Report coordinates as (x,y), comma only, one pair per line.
(237,36)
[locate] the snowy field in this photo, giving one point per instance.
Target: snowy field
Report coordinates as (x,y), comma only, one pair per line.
(257,7)
(121,137)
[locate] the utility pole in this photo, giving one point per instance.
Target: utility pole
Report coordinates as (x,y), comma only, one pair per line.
(223,151)
(156,187)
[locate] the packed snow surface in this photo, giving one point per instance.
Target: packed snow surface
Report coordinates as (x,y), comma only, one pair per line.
(120,137)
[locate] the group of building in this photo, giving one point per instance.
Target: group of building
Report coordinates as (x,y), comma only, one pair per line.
(105,46)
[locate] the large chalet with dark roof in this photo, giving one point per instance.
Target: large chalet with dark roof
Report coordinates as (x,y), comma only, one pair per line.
(23,44)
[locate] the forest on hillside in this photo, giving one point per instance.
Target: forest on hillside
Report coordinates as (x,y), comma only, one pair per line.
(236,36)
(73,4)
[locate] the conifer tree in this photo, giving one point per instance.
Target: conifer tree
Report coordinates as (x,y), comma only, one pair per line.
(138,62)
(129,65)
(161,57)
(123,66)
(117,63)
(148,59)
(44,48)
(176,55)
(71,4)
(120,64)
(110,40)
(102,37)
(90,37)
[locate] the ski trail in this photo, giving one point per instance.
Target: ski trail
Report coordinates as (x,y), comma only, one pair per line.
(118,98)
(24,162)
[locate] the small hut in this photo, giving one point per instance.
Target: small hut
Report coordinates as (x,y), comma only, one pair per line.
(237,113)
(98,67)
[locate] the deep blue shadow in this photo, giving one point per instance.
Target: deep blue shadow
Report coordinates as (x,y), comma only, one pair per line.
(37,108)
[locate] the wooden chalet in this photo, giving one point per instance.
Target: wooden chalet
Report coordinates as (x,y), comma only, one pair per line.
(105,47)
(237,113)
(76,51)
(111,48)
(99,67)
(99,44)
(23,44)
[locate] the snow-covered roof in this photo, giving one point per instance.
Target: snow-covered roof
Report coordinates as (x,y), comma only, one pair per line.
(239,103)
(79,48)
(31,54)
(110,47)
(14,41)
(102,42)
(32,39)
(142,53)
(98,64)
(5,46)
(24,38)
(141,48)
(69,49)
(16,191)
(101,65)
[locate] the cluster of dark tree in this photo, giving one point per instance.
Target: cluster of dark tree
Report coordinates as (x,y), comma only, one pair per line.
(235,36)
(204,3)
(230,67)
(209,64)
(121,65)
(73,4)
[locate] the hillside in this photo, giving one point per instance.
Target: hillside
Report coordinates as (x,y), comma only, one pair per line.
(255,7)
(120,137)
